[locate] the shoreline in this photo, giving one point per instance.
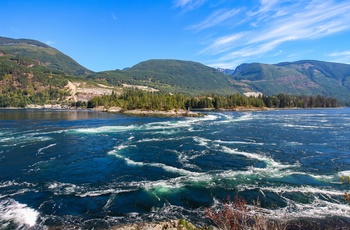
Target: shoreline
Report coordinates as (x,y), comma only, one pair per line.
(235,109)
(160,113)
(331,222)
(168,224)
(116,110)
(140,112)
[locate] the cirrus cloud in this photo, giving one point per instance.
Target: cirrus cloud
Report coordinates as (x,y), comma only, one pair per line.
(255,31)
(188,5)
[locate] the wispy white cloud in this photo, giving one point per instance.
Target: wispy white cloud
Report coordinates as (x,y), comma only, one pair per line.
(224,44)
(225,65)
(181,3)
(215,19)
(188,5)
(340,56)
(269,25)
(340,53)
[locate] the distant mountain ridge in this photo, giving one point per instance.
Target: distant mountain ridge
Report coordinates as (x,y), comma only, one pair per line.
(307,77)
(226,71)
(43,54)
(10,41)
(32,65)
(174,76)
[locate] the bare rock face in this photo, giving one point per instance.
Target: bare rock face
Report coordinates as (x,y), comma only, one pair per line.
(81,91)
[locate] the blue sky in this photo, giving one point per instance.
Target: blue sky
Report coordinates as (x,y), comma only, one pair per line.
(113,34)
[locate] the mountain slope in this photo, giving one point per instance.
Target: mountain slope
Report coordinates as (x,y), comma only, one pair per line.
(32,72)
(30,67)
(302,77)
(23,82)
(174,76)
(43,54)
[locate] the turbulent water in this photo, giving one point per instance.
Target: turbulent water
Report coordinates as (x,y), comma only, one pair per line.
(91,169)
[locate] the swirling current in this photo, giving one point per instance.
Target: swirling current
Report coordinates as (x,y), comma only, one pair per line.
(96,170)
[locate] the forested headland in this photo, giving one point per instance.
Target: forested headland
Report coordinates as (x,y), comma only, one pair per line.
(132,99)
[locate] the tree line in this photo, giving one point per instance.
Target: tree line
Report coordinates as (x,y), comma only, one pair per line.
(24,82)
(138,99)
(22,98)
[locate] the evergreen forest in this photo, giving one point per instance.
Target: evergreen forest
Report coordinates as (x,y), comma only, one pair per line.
(137,99)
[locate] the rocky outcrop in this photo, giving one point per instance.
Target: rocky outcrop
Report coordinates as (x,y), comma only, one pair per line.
(165,225)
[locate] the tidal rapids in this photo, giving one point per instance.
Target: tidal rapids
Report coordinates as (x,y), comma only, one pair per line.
(90,169)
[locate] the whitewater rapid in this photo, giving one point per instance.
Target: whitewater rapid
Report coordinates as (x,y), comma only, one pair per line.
(120,169)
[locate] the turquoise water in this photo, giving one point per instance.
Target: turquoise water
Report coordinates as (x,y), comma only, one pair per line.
(91,169)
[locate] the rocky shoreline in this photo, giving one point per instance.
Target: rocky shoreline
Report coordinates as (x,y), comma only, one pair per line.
(181,224)
(139,112)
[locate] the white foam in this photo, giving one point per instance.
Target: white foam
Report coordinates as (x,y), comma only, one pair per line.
(49,146)
(14,139)
(239,142)
(47,133)
(326,178)
(161,139)
(165,132)
(20,214)
(8,184)
(344,173)
(305,189)
(14,183)
(105,129)
(174,184)
(166,127)
(121,147)
(294,143)
(8,139)
(304,126)
(201,141)
(270,162)
(162,186)
(172,169)
(118,148)
(183,159)
(187,123)
(230,119)
(251,175)
(159,165)
(317,209)
(104,192)
(24,139)
(60,188)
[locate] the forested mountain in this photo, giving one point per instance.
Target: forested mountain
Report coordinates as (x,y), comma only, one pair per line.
(24,81)
(42,55)
(296,78)
(33,72)
(175,76)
